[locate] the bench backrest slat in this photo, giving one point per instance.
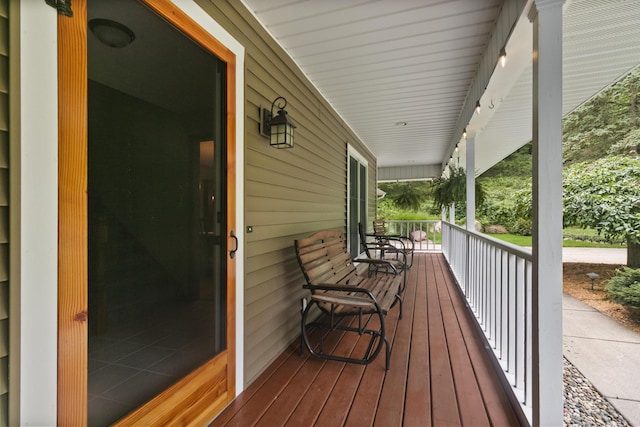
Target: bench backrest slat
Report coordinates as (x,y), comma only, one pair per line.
(323,258)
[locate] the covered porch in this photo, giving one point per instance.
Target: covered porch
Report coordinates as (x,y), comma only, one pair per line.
(423,117)
(441,373)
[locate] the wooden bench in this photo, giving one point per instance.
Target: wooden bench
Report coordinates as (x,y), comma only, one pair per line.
(348,299)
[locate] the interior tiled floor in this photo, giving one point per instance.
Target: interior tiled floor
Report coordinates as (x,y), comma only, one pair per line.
(129,365)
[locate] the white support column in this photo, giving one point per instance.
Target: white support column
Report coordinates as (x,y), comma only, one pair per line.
(36,352)
(471,183)
(546,16)
(452,213)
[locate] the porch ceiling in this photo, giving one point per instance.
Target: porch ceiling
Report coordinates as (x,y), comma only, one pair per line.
(385,62)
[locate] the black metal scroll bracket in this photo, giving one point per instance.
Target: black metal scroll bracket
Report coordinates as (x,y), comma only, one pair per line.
(62,6)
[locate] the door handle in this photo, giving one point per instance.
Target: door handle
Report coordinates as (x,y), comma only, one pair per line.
(232,254)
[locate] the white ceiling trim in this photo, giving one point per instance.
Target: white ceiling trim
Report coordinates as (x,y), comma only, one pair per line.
(427,62)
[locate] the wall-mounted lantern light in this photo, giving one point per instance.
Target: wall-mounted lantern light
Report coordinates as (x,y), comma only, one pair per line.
(278,129)
(478,107)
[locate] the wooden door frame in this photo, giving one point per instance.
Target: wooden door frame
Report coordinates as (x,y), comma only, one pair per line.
(200,395)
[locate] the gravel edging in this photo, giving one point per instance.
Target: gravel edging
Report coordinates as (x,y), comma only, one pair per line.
(584,405)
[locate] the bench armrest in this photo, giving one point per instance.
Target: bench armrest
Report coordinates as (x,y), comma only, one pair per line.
(394,238)
(379,262)
(385,247)
(367,300)
(339,288)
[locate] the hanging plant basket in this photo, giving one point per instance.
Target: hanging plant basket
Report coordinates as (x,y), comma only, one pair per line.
(453,189)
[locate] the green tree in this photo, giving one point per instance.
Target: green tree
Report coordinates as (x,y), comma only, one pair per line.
(606,124)
(605,195)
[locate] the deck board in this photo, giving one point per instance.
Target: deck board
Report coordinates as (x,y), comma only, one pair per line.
(418,394)
(439,372)
(390,410)
(444,406)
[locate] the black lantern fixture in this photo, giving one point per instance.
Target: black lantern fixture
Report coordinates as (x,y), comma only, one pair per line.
(279,129)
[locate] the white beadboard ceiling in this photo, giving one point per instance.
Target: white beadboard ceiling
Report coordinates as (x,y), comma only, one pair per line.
(383,62)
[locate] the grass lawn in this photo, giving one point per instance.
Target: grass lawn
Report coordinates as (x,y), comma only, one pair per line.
(567,243)
(583,244)
(513,238)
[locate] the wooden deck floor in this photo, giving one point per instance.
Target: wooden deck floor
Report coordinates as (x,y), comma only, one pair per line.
(440,374)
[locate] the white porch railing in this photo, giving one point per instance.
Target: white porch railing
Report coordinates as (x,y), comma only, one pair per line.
(496,279)
(423,233)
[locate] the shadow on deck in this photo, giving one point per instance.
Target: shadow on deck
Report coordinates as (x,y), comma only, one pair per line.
(440,372)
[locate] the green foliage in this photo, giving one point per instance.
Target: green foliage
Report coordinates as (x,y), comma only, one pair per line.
(389,208)
(412,216)
(508,203)
(522,200)
(453,189)
(394,189)
(590,235)
(624,287)
(450,189)
(604,195)
(568,243)
(522,226)
(516,165)
(629,145)
(385,208)
(496,211)
(505,184)
(606,124)
(519,240)
(408,197)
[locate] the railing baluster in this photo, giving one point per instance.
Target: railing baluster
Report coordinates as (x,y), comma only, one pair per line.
(496,279)
(405,228)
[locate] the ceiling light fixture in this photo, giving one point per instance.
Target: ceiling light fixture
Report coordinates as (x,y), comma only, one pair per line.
(111,33)
(503,57)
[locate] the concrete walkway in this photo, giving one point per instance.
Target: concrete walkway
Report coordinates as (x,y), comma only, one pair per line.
(605,352)
(595,255)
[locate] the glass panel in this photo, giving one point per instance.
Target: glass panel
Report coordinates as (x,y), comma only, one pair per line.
(156,211)
(363,198)
(353,208)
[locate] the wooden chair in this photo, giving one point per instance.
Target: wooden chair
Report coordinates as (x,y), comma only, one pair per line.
(347,300)
(404,244)
(380,249)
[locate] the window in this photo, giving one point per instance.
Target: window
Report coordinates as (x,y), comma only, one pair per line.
(357,200)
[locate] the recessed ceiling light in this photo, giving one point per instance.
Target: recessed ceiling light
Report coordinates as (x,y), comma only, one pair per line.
(111,33)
